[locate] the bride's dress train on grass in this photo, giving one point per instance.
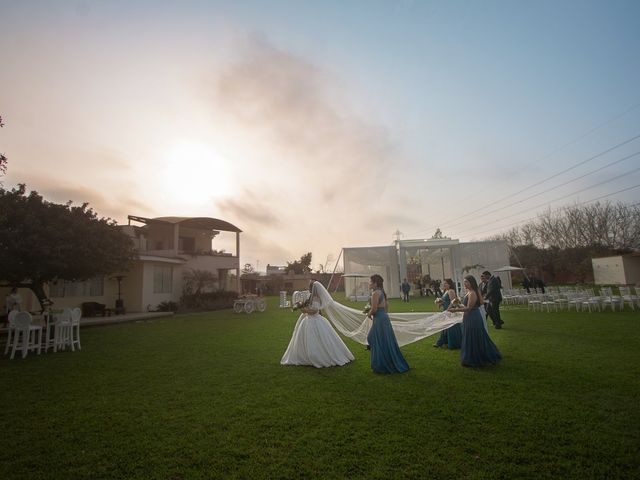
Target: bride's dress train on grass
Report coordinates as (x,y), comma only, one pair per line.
(315,342)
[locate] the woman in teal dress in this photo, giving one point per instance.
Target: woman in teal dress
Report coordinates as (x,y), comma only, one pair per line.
(452,336)
(478,350)
(385,352)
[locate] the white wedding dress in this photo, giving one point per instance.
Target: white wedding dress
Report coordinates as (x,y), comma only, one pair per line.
(315,342)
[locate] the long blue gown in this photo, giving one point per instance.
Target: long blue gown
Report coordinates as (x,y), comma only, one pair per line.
(385,352)
(478,350)
(452,336)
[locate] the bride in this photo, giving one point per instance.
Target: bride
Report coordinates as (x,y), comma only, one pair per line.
(314,341)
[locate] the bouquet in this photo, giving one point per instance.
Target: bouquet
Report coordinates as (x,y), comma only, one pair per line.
(299,305)
(437,301)
(456,303)
(366,309)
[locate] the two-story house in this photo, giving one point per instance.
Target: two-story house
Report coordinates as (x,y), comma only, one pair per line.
(168,248)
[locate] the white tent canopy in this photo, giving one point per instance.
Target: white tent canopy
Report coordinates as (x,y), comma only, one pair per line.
(507,268)
(438,258)
(359,286)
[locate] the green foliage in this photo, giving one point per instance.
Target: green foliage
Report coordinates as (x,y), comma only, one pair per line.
(41,241)
(204,396)
(208,301)
(198,280)
(300,266)
(167,306)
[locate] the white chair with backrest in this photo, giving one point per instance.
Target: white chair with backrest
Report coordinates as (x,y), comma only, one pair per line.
(62,330)
(610,300)
(629,297)
(76,315)
(26,336)
(10,329)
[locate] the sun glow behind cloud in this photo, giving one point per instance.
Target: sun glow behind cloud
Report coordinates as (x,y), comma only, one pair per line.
(194,173)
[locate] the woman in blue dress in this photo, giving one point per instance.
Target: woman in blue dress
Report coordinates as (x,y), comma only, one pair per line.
(478,350)
(385,352)
(452,336)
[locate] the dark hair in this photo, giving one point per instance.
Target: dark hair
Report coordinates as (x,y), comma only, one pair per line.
(486,273)
(378,280)
(474,286)
(450,282)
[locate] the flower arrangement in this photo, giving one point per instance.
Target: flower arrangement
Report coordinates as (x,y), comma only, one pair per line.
(366,309)
(300,305)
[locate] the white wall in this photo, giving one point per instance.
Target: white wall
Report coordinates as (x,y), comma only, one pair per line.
(608,271)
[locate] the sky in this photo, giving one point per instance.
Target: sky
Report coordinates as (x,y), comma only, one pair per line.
(318,125)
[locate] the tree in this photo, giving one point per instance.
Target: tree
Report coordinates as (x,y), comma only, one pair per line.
(41,241)
(3,159)
(438,234)
(198,280)
(300,266)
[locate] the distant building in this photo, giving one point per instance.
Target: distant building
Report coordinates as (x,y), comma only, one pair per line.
(618,270)
(276,270)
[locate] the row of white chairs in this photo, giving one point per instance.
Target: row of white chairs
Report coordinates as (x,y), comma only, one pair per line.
(25,336)
(583,301)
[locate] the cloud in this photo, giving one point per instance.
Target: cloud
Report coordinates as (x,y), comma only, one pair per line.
(295,112)
(249,209)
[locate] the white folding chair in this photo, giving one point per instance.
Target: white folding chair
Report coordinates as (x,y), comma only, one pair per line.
(11,329)
(62,331)
(76,314)
(26,336)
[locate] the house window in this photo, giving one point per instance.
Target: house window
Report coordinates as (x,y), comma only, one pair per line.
(93,287)
(162,279)
(187,244)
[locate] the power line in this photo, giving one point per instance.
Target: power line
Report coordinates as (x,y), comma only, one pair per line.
(583,162)
(577,204)
(573,193)
(557,186)
(559,173)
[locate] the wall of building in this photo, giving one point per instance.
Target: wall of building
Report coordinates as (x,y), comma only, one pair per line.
(631,269)
(608,271)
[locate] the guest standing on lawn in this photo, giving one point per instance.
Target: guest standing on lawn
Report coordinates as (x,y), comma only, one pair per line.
(478,350)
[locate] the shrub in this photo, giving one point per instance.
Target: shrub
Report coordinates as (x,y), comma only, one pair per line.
(167,307)
(208,300)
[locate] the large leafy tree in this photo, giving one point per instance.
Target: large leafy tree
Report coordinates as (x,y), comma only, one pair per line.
(41,241)
(300,266)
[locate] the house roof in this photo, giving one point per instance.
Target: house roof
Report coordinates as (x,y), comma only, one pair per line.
(206,223)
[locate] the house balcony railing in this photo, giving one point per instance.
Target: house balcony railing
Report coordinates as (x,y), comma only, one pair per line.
(184,253)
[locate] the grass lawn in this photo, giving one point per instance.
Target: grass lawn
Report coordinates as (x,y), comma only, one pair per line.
(204,396)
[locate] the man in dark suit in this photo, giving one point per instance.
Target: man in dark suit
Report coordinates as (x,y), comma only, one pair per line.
(406,288)
(492,297)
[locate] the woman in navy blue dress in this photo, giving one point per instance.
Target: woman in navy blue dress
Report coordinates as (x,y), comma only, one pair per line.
(478,350)
(385,352)
(452,336)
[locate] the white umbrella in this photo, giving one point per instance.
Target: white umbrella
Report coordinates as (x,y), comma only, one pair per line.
(507,268)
